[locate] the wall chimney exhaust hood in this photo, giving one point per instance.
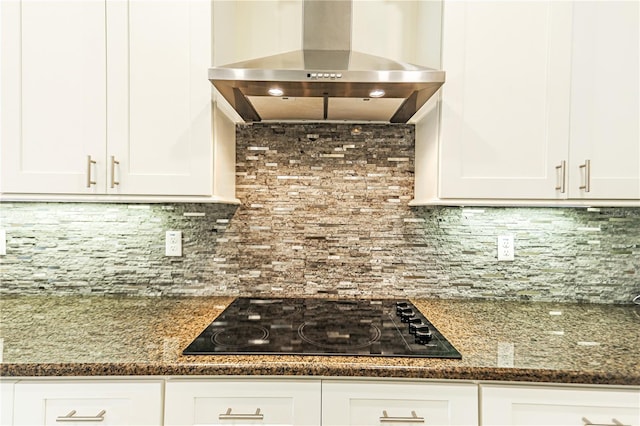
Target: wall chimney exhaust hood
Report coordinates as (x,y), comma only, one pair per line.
(326,80)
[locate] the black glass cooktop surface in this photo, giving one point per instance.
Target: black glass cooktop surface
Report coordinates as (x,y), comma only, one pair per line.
(308,326)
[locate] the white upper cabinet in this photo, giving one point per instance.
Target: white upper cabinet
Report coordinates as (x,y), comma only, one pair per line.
(605,100)
(110,97)
(159,97)
(53,96)
(541,101)
(505,110)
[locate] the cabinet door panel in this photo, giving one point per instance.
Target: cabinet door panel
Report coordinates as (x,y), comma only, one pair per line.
(605,99)
(223,401)
(110,403)
(361,403)
(505,105)
(521,405)
(53,95)
(6,402)
(160,97)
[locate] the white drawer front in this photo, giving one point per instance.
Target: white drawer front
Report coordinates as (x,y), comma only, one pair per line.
(242,402)
(85,402)
(345,403)
(515,405)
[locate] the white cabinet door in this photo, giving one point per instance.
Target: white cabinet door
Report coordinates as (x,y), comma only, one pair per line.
(159,97)
(373,403)
(505,104)
(83,402)
(242,401)
(557,405)
(605,100)
(6,402)
(53,96)
(107,97)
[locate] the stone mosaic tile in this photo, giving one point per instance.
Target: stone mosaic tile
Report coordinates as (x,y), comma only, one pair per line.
(324,212)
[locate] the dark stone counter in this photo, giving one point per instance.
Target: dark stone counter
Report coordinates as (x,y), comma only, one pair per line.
(505,341)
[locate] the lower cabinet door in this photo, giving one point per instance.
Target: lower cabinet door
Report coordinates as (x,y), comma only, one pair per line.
(241,401)
(6,402)
(388,403)
(57,402)
(559,405)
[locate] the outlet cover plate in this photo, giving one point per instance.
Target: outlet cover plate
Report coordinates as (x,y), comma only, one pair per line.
(3,242)
(506,251)
(173,243)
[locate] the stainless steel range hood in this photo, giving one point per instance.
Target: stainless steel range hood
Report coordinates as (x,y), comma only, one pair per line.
(326,80)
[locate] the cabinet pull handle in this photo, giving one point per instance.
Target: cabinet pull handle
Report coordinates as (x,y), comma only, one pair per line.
(563,176)
(71,417)
(587,175)
(413,419)
(89,163)
(240,416)
(614,422)
(114,182)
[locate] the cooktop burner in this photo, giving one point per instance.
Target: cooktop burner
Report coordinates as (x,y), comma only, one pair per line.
(322,327)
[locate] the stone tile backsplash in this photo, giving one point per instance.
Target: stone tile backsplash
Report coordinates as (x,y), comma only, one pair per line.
(324,212)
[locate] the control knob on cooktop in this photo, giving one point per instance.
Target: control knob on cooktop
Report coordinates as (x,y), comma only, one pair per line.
(423,334)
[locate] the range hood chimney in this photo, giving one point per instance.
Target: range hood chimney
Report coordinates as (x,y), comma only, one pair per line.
(326,80)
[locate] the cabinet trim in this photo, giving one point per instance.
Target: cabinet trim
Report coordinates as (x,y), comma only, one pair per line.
(57,198)
(461,202)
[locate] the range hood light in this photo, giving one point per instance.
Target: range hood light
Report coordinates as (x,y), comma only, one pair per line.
(276,91)
(376,93)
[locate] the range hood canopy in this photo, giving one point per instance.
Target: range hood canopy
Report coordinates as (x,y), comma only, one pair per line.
(326,80)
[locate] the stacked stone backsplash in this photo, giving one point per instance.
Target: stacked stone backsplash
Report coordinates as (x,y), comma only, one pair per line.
(324,213)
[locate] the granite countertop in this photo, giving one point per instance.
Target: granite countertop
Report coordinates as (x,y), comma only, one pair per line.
(513,341)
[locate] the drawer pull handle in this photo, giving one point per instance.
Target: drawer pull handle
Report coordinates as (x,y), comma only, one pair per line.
(562,168)
(614,422)
(114,182)
(240,416)
(587,175)
(413,419)
(90,162)
(71,417)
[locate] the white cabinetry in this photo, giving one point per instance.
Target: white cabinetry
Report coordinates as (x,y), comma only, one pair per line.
(159,97)
(505,110)
(605,101)
(242,401)
(110,97)
(53,96)
(558,405)
(381,402)
(6,402)
(116,402)
(533,90)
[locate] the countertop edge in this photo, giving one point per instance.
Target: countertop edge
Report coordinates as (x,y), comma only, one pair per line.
(9,370)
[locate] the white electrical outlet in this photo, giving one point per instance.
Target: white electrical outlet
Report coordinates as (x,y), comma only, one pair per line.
(173,243)
(506,249)
(3,242)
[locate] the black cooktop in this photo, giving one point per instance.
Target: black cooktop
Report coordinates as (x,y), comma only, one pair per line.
(309,326)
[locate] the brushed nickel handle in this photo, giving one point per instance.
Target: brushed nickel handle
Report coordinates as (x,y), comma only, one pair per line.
(71,417)
(239,416)
(563,176)
(114,182)
(413,419)
(89,163)
(587,175)
(614,422)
